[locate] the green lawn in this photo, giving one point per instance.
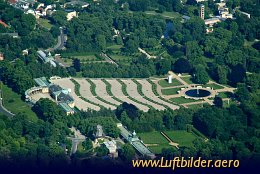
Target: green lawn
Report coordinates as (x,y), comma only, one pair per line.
(79,54)
(187,80)
(115,47)
(181,100)
(182,137)
(214,86)
(170,91)
(122,59)
(196,106)
(170,15)
(45,23)
(164,83)
(89,58)
(13,102)
(154,138)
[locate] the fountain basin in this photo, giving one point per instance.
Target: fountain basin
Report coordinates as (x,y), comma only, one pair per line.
(197,93)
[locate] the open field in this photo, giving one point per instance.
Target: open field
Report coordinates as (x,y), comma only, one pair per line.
(13,102)
(164,83)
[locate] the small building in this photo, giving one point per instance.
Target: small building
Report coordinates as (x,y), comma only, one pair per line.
(202,12)
(1,56)
(211,21)
(43,83)
(112,148)
(13,35)
(224,13)
(25,52)
(46,58)
(99,132)
(246,14)
(71,15)
(170,79)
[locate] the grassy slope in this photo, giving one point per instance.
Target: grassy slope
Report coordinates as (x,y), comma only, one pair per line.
(13,102)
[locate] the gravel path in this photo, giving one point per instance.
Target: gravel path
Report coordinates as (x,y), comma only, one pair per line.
(79,103)
(133,92)
(102,91)
(148,92)
(85,91)
(116,89)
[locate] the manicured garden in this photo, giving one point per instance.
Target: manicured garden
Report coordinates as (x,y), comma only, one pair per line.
(182,137)
(170,91)
(181,100)
(156,142)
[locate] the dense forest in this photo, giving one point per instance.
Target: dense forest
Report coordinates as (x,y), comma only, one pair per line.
(229,55)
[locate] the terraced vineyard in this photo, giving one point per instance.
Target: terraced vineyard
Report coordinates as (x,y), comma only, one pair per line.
(109,93)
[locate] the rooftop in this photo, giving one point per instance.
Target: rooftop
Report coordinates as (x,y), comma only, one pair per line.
(55,88)
(42,81)
(3,23)
(11,34)
(66,107)
(65,97)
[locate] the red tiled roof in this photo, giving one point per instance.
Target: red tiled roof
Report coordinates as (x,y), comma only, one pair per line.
(12,1)
(4,24)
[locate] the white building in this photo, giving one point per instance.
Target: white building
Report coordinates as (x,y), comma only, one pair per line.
(244,13)
(111,146)
(202,12)
(170,79)
(71,15)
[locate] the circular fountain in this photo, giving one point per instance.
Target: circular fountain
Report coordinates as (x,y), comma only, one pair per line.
(198,93)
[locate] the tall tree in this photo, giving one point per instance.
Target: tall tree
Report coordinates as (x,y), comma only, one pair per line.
(238,74)
(201,75)
(77,65)
(182,65)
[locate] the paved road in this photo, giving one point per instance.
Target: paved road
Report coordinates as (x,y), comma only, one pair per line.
(3,109)
(61,42)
